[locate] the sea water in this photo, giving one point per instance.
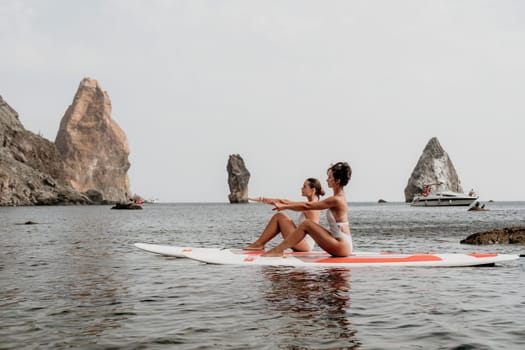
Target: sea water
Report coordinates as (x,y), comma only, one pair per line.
(75,280)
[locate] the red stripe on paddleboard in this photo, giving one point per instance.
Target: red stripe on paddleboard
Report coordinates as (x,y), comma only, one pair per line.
(350,259)
(260,252)
(490,255)
(246,252)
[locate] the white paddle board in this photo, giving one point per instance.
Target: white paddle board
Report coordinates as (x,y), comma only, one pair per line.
(179,252)
(322,259)
(167,250)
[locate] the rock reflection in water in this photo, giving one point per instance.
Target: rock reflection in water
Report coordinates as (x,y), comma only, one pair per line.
(93,287)
(312,307)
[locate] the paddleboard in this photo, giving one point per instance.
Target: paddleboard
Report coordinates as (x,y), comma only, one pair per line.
(167,250)
(179,252)
(322,259)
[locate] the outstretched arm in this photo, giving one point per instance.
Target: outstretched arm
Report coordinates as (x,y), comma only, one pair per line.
(302,206)
(267,200)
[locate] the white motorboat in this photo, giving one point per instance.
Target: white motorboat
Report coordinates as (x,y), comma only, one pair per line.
(443,198)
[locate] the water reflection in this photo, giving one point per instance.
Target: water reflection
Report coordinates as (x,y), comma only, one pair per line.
(312,306)
(92,285)
(66,285)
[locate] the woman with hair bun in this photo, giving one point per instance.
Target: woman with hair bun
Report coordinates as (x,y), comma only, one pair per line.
(336,238)
(282,223)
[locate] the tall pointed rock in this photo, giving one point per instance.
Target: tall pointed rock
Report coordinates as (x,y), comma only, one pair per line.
(94,148)
(238,178)
(434,166)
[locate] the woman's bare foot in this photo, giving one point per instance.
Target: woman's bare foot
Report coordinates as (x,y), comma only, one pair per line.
(253,246)
(272,253)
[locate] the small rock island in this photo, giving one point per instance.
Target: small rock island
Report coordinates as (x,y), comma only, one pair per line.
(507,235)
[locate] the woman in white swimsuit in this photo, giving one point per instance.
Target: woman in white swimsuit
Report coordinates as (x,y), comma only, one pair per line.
(336,239)
(282,223)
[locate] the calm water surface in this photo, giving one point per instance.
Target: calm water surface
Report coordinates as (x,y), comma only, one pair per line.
(75,280)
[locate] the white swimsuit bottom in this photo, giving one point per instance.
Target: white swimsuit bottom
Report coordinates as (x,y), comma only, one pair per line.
(343,235)
(335,229)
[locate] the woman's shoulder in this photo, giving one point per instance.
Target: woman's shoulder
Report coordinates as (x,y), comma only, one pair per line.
(336,199)
(340,204)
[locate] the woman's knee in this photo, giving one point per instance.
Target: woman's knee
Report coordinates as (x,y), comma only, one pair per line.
(306,224)
(281,216)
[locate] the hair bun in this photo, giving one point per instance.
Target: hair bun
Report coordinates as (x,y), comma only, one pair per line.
(341,171)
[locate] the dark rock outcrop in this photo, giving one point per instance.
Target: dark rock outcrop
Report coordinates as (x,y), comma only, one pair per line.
(131,206)
(477,207)
(31,169)
(28,223)
(433,167)
(508,235)
(238,178)
(94,148)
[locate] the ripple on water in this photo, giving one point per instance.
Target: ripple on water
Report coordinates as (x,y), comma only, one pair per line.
(77,281)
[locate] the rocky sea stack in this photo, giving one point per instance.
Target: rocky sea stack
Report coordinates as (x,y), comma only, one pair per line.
(238,178)
(94,148)
(434,166)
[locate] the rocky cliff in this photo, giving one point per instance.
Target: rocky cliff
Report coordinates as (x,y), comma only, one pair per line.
(434,166)
(31,170)
(94,148)
(238,178)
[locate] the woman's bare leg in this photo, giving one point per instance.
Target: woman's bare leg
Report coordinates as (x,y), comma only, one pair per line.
(302,246)
(292,239)
(279,223)
(323,238)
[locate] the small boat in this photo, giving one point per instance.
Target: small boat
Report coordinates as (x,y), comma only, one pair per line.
(443,199)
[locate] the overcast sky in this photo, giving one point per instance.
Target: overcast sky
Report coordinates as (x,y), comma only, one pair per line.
(291,86)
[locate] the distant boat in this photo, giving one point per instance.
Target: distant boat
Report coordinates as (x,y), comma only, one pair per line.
(443,199)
